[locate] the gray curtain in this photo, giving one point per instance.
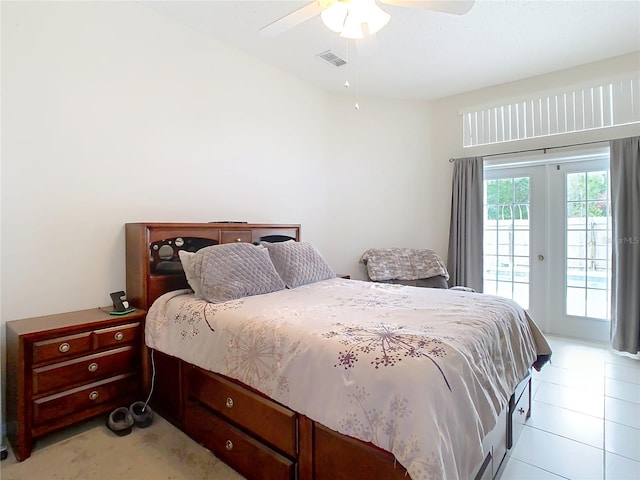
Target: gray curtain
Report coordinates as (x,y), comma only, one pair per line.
(625,217)
(464,260)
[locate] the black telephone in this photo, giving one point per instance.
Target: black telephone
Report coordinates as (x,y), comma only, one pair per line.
(120,304)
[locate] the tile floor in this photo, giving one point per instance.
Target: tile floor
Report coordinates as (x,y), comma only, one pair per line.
(585,421)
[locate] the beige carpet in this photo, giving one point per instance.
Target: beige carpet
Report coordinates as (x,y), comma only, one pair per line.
(90,451)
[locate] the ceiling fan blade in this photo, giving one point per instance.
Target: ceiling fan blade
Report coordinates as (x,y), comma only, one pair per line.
(293,19)
(454,7)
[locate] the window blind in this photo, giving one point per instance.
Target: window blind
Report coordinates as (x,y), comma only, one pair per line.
(598,106)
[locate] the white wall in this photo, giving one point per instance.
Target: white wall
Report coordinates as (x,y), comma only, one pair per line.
(112,114)
(386,187)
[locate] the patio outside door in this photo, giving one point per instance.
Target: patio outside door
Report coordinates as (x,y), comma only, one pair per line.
(547,241)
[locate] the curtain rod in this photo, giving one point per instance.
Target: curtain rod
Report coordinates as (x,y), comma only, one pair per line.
(541,149)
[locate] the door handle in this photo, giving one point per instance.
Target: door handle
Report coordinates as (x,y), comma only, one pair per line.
(540,258)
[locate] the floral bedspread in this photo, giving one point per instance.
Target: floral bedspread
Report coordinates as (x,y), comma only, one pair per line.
(420,372)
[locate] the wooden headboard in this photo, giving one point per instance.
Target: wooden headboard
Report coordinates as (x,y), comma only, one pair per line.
(153,267)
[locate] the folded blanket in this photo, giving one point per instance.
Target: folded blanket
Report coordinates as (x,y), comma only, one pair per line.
(403,264)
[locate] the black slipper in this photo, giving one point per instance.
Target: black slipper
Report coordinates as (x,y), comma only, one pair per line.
(141,413)
(120,421)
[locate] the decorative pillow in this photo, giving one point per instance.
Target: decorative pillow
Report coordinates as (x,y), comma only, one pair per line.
(298,263)
(235,270)
(186,258)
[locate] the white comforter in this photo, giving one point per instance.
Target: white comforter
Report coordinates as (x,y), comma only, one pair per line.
(420,372)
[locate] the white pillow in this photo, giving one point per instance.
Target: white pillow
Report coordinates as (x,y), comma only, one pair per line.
(189,270)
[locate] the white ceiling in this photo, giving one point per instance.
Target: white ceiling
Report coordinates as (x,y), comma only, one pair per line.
(422,54)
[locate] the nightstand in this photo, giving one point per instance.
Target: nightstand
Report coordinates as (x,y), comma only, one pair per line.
(65,368)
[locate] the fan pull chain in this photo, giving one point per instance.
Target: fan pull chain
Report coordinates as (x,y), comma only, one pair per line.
(355,71)
(357,105)
(346,54)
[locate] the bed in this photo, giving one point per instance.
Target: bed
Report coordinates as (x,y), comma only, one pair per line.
(331,378)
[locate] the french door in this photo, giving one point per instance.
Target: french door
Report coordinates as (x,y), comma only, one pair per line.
(547,241)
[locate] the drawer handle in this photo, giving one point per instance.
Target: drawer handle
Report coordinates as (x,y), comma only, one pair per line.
(229,445)
(93,367)
(238,239)
(64,347)
(118,336)
(93,395)
(521,410)
(229,402)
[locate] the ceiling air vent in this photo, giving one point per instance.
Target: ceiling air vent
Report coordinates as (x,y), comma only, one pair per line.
(331,58)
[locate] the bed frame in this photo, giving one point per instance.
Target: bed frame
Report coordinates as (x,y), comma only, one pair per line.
(253,434)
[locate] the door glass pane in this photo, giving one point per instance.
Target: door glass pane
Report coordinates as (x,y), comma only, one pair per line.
(588,258)
(597,186)
(521,293)
(576,187)
(597,303)
(576,243)
(506,238)
(576,302)
(576,269)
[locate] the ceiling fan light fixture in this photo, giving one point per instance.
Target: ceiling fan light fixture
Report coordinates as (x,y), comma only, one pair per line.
(347,18)
(376,18)
(334,16)
(352,28)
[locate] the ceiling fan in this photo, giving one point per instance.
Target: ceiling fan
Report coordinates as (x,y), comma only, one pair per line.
(358,18)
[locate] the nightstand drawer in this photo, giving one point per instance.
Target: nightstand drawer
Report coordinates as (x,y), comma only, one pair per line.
(56,406)
(263,417)
(62,347)
(120,335)
(248,456)
(84,369)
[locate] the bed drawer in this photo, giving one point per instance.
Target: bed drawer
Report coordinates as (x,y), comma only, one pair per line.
(84,369)
(343,458)
(114,336)
(56,406)
(519,410)
(248,456)
(61,347)
(260,416)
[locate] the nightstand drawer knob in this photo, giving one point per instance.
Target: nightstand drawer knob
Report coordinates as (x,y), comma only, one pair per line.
(238,239)
(93,367)
(118,336)
(229,402)
(93,395)
(64,347)
(229,445)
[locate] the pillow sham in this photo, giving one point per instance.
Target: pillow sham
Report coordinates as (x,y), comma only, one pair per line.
(235,270)
(298,263)
(186,258)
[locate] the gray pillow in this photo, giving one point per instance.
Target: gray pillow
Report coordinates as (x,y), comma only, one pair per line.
(298,263)
(186,258)
(235,270)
